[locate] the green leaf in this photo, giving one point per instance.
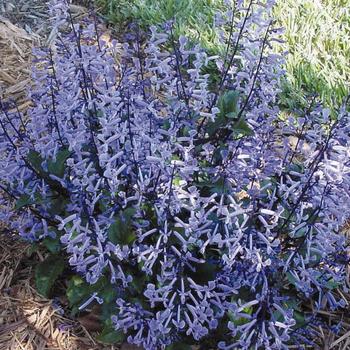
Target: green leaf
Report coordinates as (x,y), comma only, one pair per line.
(26,200)
(300,233)
(78,290)
(179,346)
(34,247)
(204,272)
(299,318)
(47,272)
(52,244)
(241,127)
(291,278)
(57,206)
(298,168)
(221,186)
(121,231)
(108,293)
(212,127)
(331,284)
(110,336)
(35,160)
(292,303)
(238,321)
(23,201)
(228,104)
(166,124)
(57,167)
(139,283)
(278,316)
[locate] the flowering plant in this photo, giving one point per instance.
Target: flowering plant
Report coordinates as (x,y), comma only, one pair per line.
(192,209)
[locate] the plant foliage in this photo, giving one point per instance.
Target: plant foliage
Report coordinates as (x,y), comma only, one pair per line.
(192,213)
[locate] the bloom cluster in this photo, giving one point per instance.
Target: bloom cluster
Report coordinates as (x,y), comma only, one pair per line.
(208,211)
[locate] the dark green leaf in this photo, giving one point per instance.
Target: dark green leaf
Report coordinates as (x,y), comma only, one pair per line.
(108,293)
(57,206)
(228,104)
(139,283)
(331,284)
(47,272)
(219,122)
(301,232)
(291,278)
(57,167)
(204,272)
(241,127)
(32,248)
(23,201)
(35,160)
(299,318)
(121,231)
(221,186)
(179,346)
(298,168)
(78,290)
(110,336)
(52,244)
(26,200)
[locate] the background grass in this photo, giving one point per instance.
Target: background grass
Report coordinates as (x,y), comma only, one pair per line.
(193,18)
(317,38)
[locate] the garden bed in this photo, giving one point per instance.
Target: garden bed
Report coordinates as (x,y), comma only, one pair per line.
(30,321)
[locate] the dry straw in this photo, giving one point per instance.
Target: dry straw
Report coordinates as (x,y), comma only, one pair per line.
(15,47)
(28,321)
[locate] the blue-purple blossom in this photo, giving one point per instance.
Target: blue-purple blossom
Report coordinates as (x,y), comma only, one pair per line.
(208,209)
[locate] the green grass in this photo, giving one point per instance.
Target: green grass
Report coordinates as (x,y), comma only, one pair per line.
(194,18)
(317,34)
(317,38)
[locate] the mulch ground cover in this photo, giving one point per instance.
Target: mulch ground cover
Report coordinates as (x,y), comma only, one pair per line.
(27,320)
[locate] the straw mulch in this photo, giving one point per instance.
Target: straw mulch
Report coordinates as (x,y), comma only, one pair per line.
(15,47)
(27,320)
(24,24)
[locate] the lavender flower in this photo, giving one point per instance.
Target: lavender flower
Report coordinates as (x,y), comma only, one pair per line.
(206,209)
